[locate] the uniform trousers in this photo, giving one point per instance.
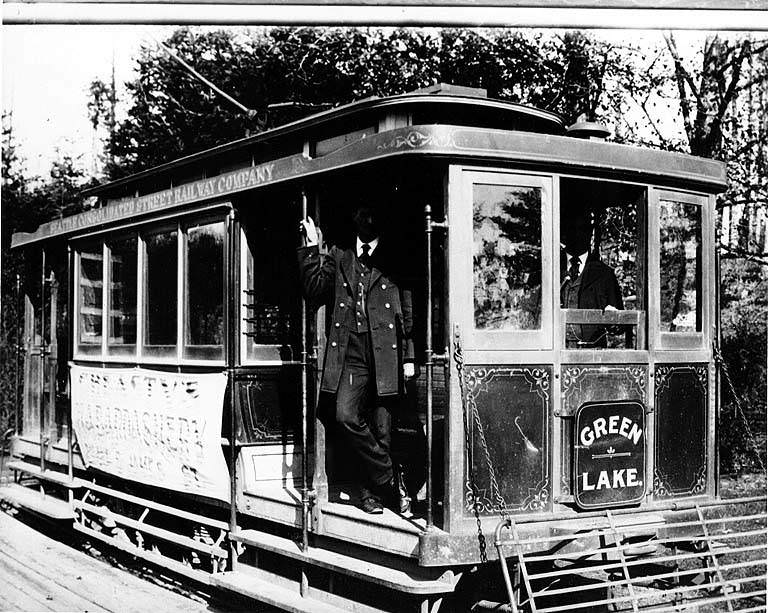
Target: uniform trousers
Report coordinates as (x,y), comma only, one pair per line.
(364,418)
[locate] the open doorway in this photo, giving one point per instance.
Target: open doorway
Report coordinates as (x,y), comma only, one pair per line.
(399,193)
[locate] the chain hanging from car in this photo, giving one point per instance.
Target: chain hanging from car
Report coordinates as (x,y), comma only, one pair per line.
(754,447)
(495,491)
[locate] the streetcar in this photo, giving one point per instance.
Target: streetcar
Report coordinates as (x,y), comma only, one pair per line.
(560,455)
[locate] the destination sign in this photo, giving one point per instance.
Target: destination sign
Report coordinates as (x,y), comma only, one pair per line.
(610,454)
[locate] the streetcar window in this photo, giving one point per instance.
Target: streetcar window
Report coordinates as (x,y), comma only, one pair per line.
(602,263)
(680,266)
(161,274)
(90,292)
(270,283)
(123,261)
(507,257)
(205,291)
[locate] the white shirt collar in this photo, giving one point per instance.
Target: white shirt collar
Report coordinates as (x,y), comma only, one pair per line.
(582,261)
(359,248)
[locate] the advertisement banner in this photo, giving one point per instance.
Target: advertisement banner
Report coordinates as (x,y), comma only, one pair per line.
(157,428)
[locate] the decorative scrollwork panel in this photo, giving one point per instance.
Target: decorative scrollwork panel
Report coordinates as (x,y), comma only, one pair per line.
(508,410)
(680,458)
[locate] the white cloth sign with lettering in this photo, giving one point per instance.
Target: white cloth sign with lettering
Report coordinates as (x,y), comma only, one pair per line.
(158,428)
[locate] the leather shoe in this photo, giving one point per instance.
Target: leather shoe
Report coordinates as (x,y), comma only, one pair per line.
(371,504)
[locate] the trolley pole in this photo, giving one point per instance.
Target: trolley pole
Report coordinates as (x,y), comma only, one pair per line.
(428,361)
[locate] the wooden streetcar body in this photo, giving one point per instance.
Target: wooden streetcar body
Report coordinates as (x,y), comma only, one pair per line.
(501,392)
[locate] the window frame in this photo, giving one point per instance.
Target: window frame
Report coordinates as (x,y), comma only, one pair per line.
(187,349)
(161,353)
(115,350)
(260,358)
(88,350)
(461,210)
(679,340)
(175,354)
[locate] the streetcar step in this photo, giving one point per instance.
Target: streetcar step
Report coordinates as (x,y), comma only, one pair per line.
(34,500)
(408,578)
(45,475)
(265,591)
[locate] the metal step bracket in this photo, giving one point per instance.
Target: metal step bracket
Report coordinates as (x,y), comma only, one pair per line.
(700,553)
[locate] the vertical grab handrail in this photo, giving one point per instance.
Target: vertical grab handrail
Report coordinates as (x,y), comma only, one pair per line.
(231,300)
(428,360)
(43,355)
(70,303)
(304,408)
(19,349)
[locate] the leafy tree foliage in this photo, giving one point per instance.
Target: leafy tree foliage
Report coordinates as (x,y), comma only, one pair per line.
(27,202)
(282,74)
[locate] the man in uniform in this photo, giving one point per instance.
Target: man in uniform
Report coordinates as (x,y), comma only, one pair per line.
(587,282)
(368,348)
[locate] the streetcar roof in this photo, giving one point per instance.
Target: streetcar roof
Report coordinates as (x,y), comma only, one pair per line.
(443,120)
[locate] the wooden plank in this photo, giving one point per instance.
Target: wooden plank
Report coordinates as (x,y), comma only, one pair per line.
(413,580)
(46,475)
(15,598)
(33,500)
(149,556)
(166,535)
(214,523)
(72,578)
(32,584)
(267,592)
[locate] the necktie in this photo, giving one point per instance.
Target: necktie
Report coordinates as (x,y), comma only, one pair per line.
(573,271)
(365,258)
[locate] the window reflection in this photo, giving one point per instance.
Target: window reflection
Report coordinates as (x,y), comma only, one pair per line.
(122,292)
(507,257)
(205,287)
(680,266)
(161,271)
(90,288)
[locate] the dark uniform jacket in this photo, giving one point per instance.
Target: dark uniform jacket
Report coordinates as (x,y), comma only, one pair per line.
(330,280)
(599,288)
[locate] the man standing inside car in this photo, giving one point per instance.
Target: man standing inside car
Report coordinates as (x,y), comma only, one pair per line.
(368,352)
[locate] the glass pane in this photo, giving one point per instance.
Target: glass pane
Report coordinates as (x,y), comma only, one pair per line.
(680,266)
(122,292)
(507,257)
(271,296)
(162,259)
(205,286)
(90,288)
